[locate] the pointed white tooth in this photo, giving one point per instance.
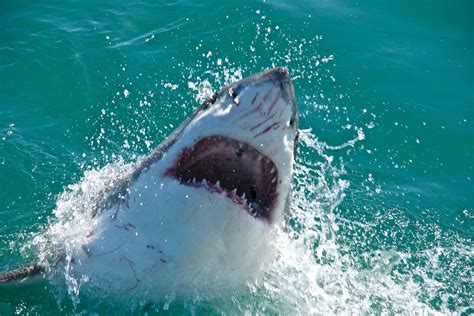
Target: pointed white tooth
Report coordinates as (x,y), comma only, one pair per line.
(273,169)
(274,180)
(234,191)
(218,184)
(243,197)
(194,179)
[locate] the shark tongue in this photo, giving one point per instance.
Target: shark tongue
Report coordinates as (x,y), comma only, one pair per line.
(227,165)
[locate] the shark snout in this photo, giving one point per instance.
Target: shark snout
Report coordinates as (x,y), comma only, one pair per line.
(263,102)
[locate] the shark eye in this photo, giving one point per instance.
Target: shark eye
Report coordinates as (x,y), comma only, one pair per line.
(233,93)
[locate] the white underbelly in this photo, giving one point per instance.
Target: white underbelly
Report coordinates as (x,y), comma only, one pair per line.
(193,240)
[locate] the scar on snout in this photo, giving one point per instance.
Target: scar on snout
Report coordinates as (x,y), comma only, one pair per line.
(127,226)
(274,102)
(255,98)
(153,248)
(273,126)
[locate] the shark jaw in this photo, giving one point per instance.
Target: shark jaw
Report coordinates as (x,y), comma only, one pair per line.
(248,133)
(223,165)
(200,212)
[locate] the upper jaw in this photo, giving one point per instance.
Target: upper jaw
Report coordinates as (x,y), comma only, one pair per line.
(259,113)
(277,77)
(260,110)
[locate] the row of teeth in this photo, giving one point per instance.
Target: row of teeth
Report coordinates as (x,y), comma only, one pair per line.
(217,186)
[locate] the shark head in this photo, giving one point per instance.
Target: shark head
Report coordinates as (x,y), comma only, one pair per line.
(200,210)
(241,145)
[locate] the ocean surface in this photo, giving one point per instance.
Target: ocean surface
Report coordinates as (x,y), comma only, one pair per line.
(382,210)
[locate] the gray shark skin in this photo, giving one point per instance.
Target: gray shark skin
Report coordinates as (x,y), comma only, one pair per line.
(232,159)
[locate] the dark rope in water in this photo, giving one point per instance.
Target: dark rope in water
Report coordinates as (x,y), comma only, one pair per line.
(20,273)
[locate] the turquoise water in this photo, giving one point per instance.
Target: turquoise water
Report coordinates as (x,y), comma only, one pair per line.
(382,212)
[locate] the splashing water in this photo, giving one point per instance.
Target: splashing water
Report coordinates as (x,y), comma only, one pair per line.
(73,219)
(327,262)
(313,273)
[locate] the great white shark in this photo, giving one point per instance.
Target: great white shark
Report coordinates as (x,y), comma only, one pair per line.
(201,211)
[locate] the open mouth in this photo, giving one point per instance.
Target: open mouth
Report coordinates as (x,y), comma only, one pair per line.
(234,168)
